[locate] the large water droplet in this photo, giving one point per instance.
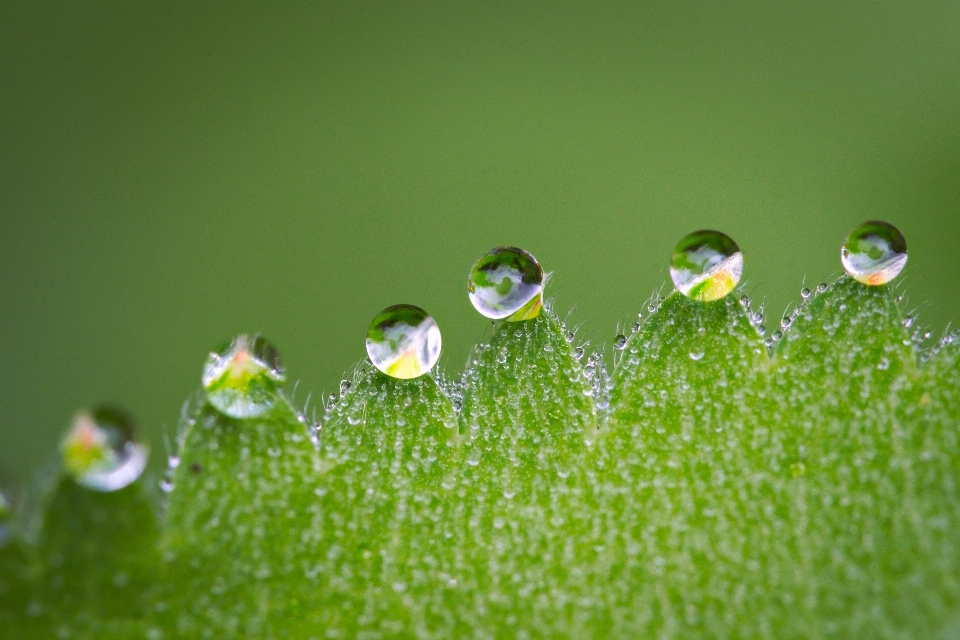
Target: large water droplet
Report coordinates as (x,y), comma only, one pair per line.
(706,265)
(506,283)
(242,379)
(874,253)
(100,451)
(403,341)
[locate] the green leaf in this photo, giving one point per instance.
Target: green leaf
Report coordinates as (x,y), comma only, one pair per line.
(387,453)
(681,475)
(528,416)
(710,488)
(242,523)
(99,558)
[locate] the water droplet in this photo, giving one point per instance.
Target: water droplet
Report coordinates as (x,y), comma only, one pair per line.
(166,486)
(908,322)
(706,265)
(745,301)
(568,336)
(173,462)
(636,327)
(620,341)
(777,335)
(761,329)
(884,364)
(805,293)
(786,321)
(821,287)
(651,307)
(506,283)
(100,451)
(696,355)
(874,253)
(578,353)
(403,341)
(345,386)
(241,380)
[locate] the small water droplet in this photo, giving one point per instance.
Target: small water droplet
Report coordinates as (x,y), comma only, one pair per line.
(173,462)
(706,265)
(874,253)
(569,336)
(166,486)
(578,353)
(745,301)
(786,321)
(696,355)
(241,380)
(908,322)
(636,327)
(100,450)
(761,329)
(345,386)
(652,307)
(821,287)
(805,293)
(403,341)
(506,283)
(884,364)
(620,341)
(777,335)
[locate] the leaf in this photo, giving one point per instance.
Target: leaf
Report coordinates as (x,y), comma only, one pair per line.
(528,416)
(242,523)
(99,558)
(387,453)
(681,470)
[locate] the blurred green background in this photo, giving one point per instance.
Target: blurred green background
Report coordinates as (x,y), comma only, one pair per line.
(174,173)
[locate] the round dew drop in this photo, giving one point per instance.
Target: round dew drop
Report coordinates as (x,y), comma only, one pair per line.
(874,253)
(706,265)
(100,452)
(403,341)
(242,379)
(506,283)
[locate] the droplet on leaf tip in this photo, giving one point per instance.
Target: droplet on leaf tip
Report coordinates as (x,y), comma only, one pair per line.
(403,341)
(874,253)
(706,265)
(506,283)
(100,451)
(242,379)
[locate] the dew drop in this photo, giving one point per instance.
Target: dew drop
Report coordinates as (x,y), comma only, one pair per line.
(620,341)
(578,353)
(636,327)
(777,335)
(908,322)
(821,287)
(745,301)
(506,283)
(241,379)
(696,355)
(874,253)
(761,329)
(568,336)
(786,321)
(706,265)
(403,341)
(345,386)
(805,293)
(100,451)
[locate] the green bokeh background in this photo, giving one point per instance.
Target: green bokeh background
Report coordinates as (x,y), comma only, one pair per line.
(174,173)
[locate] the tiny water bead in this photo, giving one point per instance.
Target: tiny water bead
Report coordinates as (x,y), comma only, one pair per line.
(620,342)
(506,283)
(403,341)
(242,379)
(706,265)
(874,253)
(100,450)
